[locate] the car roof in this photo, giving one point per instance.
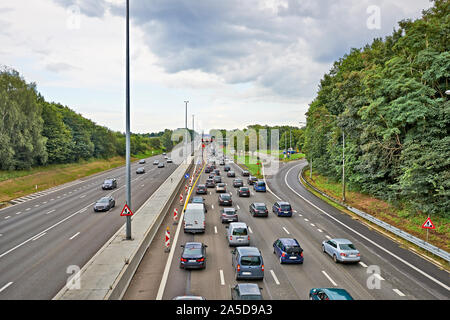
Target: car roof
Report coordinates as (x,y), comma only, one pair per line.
(258,204)
(341,241)
(238,225)
(337,293)
(249,251)
(289,241)
(283,203)
(193,244)
(103,198)
(249,288)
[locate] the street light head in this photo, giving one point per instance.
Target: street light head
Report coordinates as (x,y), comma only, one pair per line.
(447,92)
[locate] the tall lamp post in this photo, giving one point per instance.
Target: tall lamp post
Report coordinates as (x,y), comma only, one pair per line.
(185,130)
(310,163)
(127,138)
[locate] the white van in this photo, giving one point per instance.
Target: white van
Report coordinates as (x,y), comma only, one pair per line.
(237,234)
(194,218)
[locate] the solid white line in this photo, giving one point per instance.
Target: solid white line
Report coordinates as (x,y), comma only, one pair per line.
(222,279)
(6,286)
(286,230)
(250,229)
(38,236)
(364,237)
(274,277)
(76,234)
(329,278)
(401,294)
(363,264)
(50,211)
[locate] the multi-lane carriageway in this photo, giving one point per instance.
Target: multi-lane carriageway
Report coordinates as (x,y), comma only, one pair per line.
(402,273)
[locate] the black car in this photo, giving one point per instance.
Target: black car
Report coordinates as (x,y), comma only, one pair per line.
(231,174)
(244,192)
(193,255)
(225,199)
(226,168)
(210,183)
(222,163)
(251,180)
(228,215)
(258,209)
(140,170)
(208,169)
(217,172)
(109,184)
(201,189)
(245,173)
(104,204)
(217,179)
(237,183)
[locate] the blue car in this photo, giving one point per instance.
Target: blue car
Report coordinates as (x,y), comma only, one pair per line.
(329,294)
(282,209)
(259,186)
(288,250)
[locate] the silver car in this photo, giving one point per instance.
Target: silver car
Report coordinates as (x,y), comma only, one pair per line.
(342,250)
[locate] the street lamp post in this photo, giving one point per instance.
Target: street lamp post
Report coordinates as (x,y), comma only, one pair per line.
(310,163)
(127,138)
(185,130)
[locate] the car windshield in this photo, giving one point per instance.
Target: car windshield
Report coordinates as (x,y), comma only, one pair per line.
(197,200)
(293,249)
(238,180)
(347,246)
(261,184)
(221,185)
(250,261)
(103,200)
(244,189)
(285,207)
(229,211)
(193,251)
(108,182)
(261,208)
(239,231)
(226,197)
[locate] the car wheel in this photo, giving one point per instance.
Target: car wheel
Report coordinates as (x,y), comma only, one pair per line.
(323,249)
(281,261)
(335,258)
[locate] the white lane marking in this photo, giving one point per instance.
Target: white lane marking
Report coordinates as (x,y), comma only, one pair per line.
(50,211)
(142,185)
(376,275)
(38,236)
(329,278)
(401,294)
(319,230)
(18,212)
(306,220)
(6,286)
(363,264)
(75,235)
(300,215)
(82,196)
(215,229)
(250,229)
(212,206)
(7,217)
(222,278)
(58,197)
(274,277)
(238,207)
(44,202)
(313,225)
(328,237)
(286,230)
(28,209)
(52,199)
(295,211)
(364,237)
(36,205)
(210,193)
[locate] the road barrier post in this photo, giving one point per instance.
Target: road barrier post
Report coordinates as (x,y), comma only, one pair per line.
(167,240)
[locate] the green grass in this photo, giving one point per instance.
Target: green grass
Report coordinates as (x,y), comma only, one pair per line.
(148,153)
(249,162)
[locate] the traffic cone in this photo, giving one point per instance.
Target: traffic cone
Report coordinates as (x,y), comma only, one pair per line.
(181,199)
(167,240)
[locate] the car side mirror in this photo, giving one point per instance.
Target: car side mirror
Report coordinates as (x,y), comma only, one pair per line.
(206,246)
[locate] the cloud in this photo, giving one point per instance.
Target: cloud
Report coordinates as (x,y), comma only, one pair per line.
(59,67)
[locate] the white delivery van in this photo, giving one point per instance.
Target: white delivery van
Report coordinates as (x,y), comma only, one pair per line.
(194,218)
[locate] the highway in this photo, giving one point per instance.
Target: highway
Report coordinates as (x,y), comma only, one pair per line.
(387,270)
(44,239)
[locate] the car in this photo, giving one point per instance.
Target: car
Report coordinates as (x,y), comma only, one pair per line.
(164,153)
(246,291)
(225,199)
(193,255)
(342,250)
(110,183)
(226,168)
(201,189)
(156,162)
(166,157)
(199,200)
(222,162)
(210,183)
(142,161)
(231,174)
(245,173)
(208,169)
(221,187)
(140,170)
(259,186)
(282,208)
(238,182)
(248,263)
(217,179)
(161,165)
(169,160)
(244,192)
(104,204)
(228,215)
(329,294)
(217,172)
(194,220)
(237,234)
(258,209)
(288,250)
(189,298)
(251,180)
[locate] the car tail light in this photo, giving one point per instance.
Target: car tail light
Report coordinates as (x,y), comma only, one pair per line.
(238,268)
(301,254)
(248,238)
(283,254)
(183,260)
(358,255)
(262,267)
(343,254)
(201,260)
(231,238)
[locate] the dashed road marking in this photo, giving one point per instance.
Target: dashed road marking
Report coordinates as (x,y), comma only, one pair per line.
(222,278)
(6,286)
(319,230)
(363,264)
(286,230)
(75,235)
(401,294)
(329,278)
(274,277)
(50,211)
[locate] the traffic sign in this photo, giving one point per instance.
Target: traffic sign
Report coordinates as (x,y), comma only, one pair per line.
(186,176)
(126,211)
(428,224)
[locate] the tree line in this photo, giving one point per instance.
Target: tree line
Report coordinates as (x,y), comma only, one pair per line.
(388,102)
(34,132)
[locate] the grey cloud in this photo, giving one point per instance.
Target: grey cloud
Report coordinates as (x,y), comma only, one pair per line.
(59,67)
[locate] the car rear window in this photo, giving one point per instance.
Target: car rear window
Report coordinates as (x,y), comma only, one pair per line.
(226,197)
(285,207)
(261,184)
(293,250)
(244,189)
(250,261)
(260,207)
(239,231)
(193,251)
(347,246)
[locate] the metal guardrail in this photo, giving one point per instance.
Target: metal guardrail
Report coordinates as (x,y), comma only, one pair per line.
(404,235)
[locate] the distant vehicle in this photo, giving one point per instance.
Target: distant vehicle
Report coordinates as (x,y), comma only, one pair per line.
(189,298)
(228,215)
(199,200)
(248,263)
(217,179)
(246,291)
(166,157)
(194,218)
(342,250)
(161,165)
(156,162)
(169,160)
(221,187)
(288,250)
(258,209)
(231,174)
(225,199)
(329,294)
(201,189)
(140,170)
(193,255)
(259,186)
(164,153)
(210,183)
(109,184)
(281,208)
(208,169)
(217,172)
(238,182)
(251,180)
(222,162)
(237,234)
(104,204)
(244,192)
(226,168)
(142,161)
(245,173)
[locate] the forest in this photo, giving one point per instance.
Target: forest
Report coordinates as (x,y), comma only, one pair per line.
(388,102)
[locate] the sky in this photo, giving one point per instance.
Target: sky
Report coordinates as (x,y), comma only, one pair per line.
(237,62)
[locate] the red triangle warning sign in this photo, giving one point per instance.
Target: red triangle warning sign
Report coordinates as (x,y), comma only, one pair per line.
(428,224)
(126,211)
